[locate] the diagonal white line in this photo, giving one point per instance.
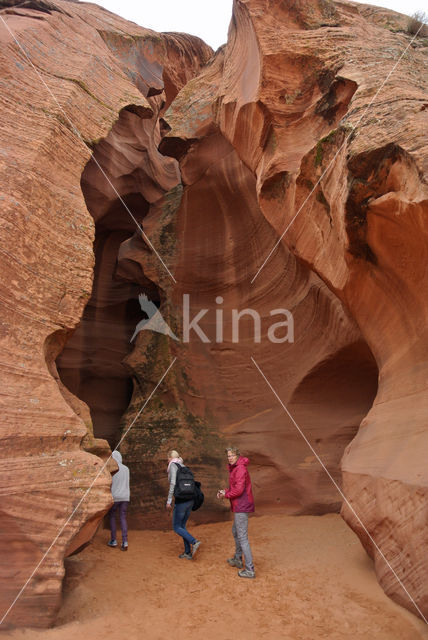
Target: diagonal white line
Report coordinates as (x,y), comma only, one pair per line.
(334,157)
(83,497)
(337,487)
(79,135)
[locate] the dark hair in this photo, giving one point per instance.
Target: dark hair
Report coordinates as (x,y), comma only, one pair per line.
(234,450)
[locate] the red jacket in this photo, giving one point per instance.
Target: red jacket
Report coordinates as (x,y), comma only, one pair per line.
(239,492)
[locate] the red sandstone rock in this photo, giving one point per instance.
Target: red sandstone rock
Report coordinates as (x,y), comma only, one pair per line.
(295,83)
(50,123)
(249,138)
(219,389)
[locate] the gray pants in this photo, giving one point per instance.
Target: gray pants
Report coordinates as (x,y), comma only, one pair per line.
(240,533)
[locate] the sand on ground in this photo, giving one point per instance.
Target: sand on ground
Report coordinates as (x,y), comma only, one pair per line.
(313,580)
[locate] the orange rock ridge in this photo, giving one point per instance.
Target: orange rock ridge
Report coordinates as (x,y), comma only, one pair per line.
(273,126)
(304,121)
(86,69)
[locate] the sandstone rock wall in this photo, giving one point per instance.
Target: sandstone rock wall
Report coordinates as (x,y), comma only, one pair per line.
(264,136)
(348,185)
(54,110)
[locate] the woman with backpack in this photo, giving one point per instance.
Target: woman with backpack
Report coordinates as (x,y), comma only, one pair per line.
(180,477)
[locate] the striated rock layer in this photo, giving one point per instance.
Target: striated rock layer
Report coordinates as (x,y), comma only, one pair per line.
(70,72)
(187,195)
(339,171)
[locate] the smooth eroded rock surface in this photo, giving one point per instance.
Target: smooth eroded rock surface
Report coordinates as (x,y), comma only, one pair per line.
(70,71)
(340,179)
(270,176)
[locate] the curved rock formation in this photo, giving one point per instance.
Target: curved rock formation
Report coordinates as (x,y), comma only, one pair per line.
(225,232)
(263,185)
(132,176)
(66,82)
(340,181)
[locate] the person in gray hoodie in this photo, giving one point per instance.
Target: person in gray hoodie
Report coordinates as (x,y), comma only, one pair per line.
(120,493)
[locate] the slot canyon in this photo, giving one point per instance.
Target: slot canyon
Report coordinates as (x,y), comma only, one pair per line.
(146,164)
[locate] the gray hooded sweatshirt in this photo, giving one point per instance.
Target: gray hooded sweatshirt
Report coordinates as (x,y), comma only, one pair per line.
(120,480)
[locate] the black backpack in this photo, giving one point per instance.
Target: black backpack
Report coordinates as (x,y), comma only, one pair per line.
(185,488)
(199,497)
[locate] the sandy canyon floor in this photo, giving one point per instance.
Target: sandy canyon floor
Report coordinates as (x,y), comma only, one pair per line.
(314,580)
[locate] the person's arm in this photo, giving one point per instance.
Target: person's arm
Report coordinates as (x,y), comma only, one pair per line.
(127,490)
(240,485)
(172,480)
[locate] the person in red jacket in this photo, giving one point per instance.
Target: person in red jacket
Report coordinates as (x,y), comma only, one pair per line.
(241,503)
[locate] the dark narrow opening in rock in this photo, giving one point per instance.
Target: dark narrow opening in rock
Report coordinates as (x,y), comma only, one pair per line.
(91,364)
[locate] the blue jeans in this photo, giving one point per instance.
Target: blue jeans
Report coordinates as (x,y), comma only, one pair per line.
(179,518)
(122,508)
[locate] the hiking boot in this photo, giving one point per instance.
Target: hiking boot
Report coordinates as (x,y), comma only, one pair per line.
(195,547)
(112,543)
(247,573)
(124,546)
(188,556)
(235,562)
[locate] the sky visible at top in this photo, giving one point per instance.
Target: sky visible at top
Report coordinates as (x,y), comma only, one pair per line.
(208,19)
